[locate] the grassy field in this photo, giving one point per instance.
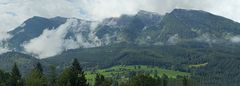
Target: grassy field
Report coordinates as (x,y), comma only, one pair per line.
(123,72)
(198,65)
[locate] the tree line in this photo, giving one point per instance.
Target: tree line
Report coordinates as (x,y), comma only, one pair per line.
(75,76)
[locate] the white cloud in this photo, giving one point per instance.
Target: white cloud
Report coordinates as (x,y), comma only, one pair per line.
(14,12)
(235,39)
(51,42)
(4,50)
(37,45)
(3,37)
(106,8)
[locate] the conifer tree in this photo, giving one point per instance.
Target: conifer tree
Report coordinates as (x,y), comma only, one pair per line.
(78,76)
(36,77)
(39,68)
(15,77)
(73,76)
(64,78)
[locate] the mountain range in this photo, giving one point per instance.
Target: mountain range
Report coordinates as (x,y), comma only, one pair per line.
(145,28)
(178,40)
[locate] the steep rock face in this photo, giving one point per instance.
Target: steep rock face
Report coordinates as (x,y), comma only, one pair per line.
(127,29)
(176,27)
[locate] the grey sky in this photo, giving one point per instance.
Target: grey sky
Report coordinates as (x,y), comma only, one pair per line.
(14,12)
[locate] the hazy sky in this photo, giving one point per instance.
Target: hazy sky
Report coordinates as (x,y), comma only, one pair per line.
(14,12)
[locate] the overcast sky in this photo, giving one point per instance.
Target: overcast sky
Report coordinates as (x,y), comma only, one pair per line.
(14,12)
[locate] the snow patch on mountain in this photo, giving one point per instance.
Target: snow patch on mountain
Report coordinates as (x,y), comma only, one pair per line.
(22,25)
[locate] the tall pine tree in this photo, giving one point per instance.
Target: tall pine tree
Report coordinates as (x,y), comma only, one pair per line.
(36,77)
(39,68)
(78,76)
(65,77)
(15,77)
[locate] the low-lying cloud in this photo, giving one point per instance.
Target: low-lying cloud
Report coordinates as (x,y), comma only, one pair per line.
(55,41)
(235,39)
(50,43)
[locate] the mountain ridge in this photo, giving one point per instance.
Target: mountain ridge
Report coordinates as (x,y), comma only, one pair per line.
(144,28)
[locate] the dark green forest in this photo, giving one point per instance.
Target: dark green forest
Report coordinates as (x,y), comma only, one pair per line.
(74,75)
(217,65)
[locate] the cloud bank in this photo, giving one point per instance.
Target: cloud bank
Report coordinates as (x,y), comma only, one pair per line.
(51,42)
(235,39)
